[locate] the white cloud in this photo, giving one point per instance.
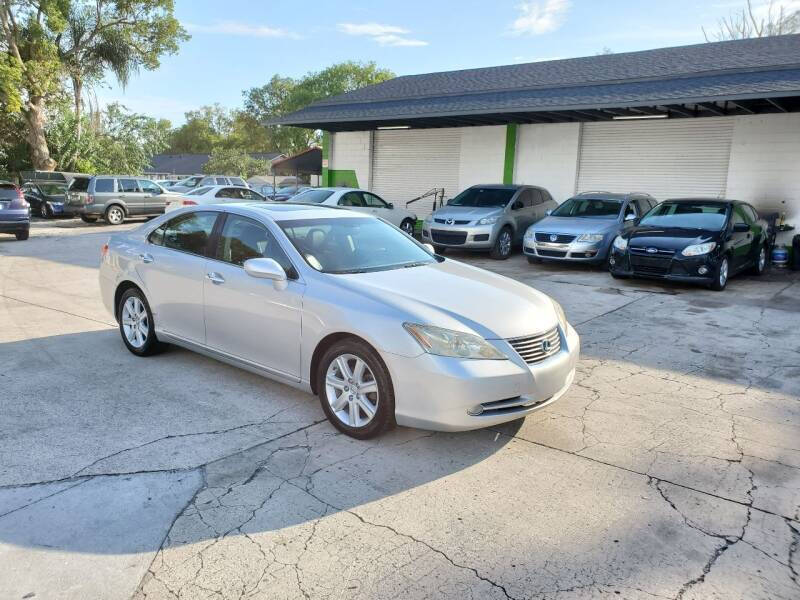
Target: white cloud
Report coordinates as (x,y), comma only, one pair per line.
(242,29)
(538,17)
(384,35)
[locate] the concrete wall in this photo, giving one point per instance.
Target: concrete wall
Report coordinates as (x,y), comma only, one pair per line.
(350,150)
(547,155)
(482,155)
(765,163)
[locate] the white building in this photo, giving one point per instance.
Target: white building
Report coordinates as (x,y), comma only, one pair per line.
(719,119)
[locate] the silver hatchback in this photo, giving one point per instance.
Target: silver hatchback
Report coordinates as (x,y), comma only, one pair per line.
(343,305)
(487,217)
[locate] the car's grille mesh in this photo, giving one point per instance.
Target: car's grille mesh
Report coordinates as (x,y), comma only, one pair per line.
(536,348)
(456,222)
(647,265)
(553,253)
(561,238)
(448,237)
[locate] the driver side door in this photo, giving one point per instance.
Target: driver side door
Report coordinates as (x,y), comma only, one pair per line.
(740,241)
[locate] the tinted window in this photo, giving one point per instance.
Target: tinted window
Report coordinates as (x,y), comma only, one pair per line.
(190,232)
(238,181)
(227,193)
(351,199)
(51,189)
(243,239)
(127,185)
(482,197)
(373,201)
(198,191)
(739,215)
(221,181)
(526,197)
(353,245)
(103,185)
(149,187)
(157,236)
(79,184)
(313,196)
(690,215)
(8,191)
(596,208)
(537,197)
(247,194)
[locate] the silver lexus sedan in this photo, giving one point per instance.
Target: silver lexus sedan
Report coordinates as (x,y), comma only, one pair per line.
(343,305)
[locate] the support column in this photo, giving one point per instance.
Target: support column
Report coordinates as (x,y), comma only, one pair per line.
(326,151)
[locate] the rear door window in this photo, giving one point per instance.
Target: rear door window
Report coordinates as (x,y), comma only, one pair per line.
(127,185)
(373,201)
(238,181)
(190,232)
(351,199)
(79,184)
(103,185)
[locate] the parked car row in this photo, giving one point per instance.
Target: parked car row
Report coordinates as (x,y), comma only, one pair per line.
(703,241)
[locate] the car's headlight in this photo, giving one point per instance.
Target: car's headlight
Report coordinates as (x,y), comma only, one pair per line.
(620,243)
(489,220)
(591,237)
(562,316)
(446,342)
(699,249)
(529,235)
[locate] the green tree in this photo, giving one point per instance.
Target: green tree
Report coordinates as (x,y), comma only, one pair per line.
(235,161)
(283,95)
(45,42)
(205,128)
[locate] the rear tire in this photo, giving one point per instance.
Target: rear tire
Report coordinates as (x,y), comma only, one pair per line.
(721,275)
(136,325)
(114,215)
(86,219)
(408,226)
(45,211)
(346,370)
(502,245)
(22,235)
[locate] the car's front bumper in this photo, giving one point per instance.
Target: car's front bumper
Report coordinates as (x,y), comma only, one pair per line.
(686,269)
(469,237)
(572,251)
(435,392)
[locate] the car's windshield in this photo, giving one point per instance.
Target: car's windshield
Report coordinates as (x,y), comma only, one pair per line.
(591,208)
(353,245)
(190,181)
(79,184)
(689,215)
(52,189)
(315,196)
(482,197)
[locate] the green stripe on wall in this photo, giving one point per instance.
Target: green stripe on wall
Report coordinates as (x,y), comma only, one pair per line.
(511,151)
(342,178)
(326,150)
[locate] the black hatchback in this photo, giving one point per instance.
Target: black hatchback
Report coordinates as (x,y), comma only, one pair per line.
(702,241)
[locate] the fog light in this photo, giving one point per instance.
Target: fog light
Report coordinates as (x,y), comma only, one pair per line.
(702,270)
(475,411)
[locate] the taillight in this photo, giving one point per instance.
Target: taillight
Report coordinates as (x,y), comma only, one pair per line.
(20,200)
(89,199)
(189,203)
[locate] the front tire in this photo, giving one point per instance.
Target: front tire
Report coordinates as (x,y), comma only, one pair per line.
(721,275)
(114,215)
(502,245)
(355,389)
(761,261)
(136,324)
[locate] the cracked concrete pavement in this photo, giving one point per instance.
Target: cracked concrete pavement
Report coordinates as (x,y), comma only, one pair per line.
(671,468)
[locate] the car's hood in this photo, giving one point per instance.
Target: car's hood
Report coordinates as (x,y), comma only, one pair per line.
(457,296)
(669,238)
(575,225)
(464,213)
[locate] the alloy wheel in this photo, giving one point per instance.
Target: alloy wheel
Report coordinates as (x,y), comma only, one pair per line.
(115,215)
(351,390)
(408,227)
(723,272)
(762,259)
(43,210)
(505,242)
(135,322)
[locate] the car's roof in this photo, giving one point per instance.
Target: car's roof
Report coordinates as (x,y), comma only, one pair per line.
(336,189)
(290,211)
(702,199)
(501,186)
(609,195)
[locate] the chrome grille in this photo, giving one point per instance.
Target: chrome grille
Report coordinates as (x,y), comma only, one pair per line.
(536,348)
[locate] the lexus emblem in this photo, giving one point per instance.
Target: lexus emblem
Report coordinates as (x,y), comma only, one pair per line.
(546,346)
(449,221)
(553,237)
(652,250)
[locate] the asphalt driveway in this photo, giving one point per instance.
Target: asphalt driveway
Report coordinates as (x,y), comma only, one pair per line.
(671,468)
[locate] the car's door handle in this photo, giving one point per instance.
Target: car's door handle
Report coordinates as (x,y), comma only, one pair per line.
(215,278)
(146,258)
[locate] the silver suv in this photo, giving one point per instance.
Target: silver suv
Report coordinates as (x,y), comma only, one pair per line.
(487,217)
(115,198)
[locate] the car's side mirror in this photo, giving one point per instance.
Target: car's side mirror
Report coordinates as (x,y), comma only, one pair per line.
(630,217)
(517,205)
(548,212)
(741,227)
(266,268)
(430,248)
(390,205)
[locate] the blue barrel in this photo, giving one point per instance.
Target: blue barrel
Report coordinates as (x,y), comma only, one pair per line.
(780,257)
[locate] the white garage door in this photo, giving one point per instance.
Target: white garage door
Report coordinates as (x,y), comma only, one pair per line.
(408,163)
(667,159)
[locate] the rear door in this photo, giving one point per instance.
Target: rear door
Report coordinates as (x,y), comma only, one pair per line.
(741,240)
(172,266)
(379,208)
(154,201)
(354,201)
(131,195)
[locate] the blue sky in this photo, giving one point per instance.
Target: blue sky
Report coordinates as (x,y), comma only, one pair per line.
(238,44)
